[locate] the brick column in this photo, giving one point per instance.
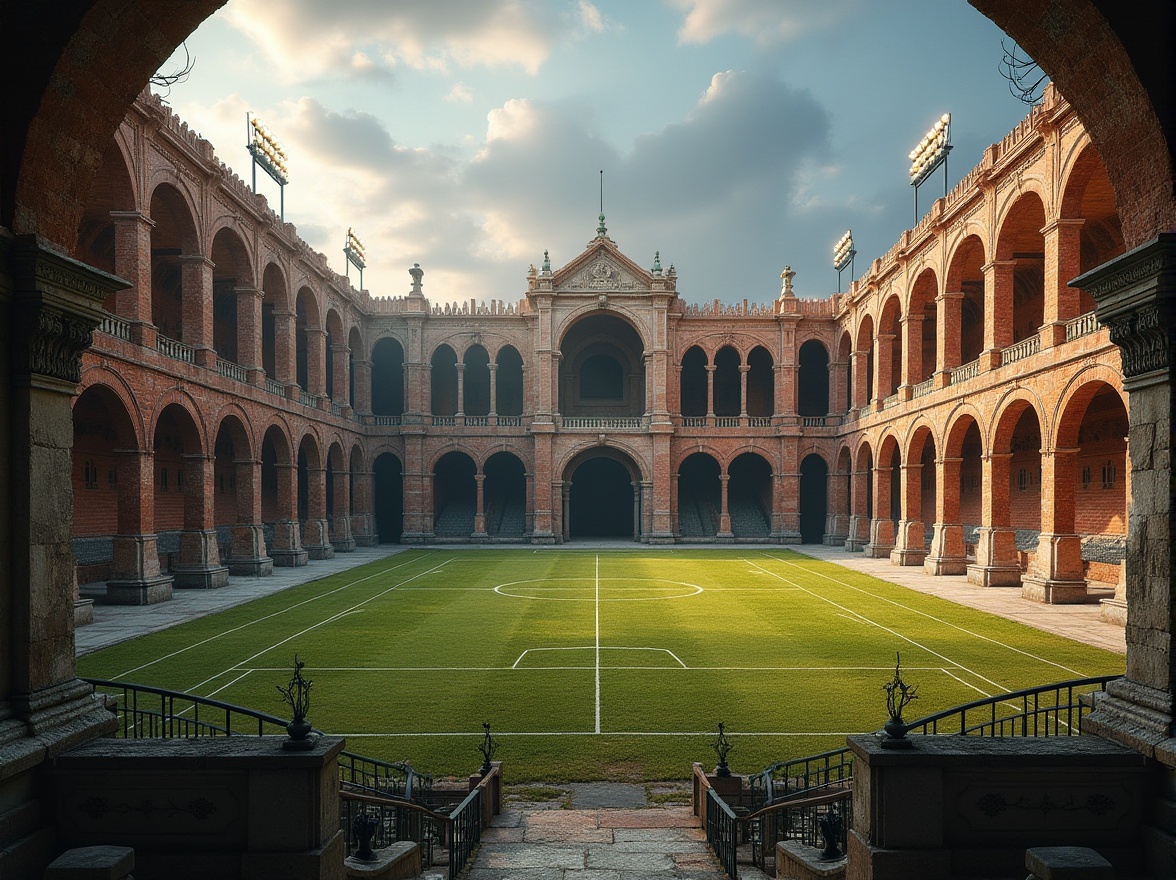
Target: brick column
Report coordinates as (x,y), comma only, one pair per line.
(724,533)
(997,563)
(948,312)
(998,311)
(480,509)
(340,527)
(1135,294)
(340,357)
(910,543)
(743,370)
(1063,261)
(859,521)
(362,518)
(316,361)
(883,372)
(861,375)
(912,354)
(285,352)
(1056,574)
(363,386)
(460,390)
(196,309)
(287,549)
(493,390)
(132,261)
(786,502)
(947,554)
(316,533)
(249,301)
(837,517)
(710,393)
(247,555)
(199,566)
(135,578)
(881,527)
(837,401)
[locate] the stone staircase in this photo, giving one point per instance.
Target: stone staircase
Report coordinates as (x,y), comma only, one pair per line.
(748,519)
(456,519)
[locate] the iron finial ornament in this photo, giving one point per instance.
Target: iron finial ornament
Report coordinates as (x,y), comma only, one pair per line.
(487,747)
(899,695)
(296,695)
(722,747)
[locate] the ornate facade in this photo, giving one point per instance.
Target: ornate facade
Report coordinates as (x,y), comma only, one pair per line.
(243,406)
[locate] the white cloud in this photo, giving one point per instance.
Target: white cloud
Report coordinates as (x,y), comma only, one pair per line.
(308,39)
(590,17)
(459,94)
(766,22)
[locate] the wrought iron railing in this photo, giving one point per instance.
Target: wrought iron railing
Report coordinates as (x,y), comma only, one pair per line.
(799,818)
(336,409)
(477,421)
(722,832)
(173,348)
(1019,350)
(597,422)
(397,820)
(1081,326)
(808,774)
(970,370)
(308,399)
(726,421)
(465,830)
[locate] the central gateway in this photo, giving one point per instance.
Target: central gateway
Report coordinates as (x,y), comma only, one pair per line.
(602,498)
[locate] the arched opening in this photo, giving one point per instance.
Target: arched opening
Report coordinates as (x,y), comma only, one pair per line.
(1022,244)
(176,436)
(699,496)
(509,382)
(814,494)
(890,348)
(505,496)
(1088,196)
(971,495)
(354,345)
(274,305)
(455,496)
(692,383)
(602,371)
(476,382)
(231,445)
(175,314)
(812,384)
(275,458)
(728,395)
(230,272)
(388,498)
(336,359)
(443,382)
(749,496)
(964,331)
(306,323)
(863,365)
(600,502)
(923,326)
(761,384)
(387,378)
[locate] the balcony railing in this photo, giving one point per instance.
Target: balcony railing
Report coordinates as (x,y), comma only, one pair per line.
(444,421)
(613,423)
(275,387)
(969,370)
(173,348)
(1083,325)
(924,387)
(386,421)
(477,421)
(308,399)
(693,421)
(230,370)
(727,421)
(812,421)
(890,401)
(510,421)
(116,327)
(336,409)
(763,422)
(1019,350)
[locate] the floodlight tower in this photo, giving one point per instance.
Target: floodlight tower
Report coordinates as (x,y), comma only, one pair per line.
(929,154)
(843,254)
(353,249)
(269,154)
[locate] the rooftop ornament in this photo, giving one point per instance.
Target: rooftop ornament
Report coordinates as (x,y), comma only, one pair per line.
(722,747)
(899,695)
(296,695)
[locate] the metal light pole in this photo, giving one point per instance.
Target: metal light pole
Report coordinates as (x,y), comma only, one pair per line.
(929,154)
(268,153)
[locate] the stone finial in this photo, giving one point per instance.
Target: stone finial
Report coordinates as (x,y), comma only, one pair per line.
(417,274)
(601,230)
(657,269)
(786,286)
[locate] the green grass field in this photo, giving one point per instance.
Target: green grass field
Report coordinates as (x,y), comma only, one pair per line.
(598,665)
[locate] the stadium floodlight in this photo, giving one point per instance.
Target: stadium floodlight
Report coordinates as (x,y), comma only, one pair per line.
(354,250)
(269,154)
(843,254)
(929,154)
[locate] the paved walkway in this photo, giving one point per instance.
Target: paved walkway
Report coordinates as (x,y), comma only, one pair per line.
(1079,622)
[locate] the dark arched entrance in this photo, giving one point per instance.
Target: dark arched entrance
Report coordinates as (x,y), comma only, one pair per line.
(749,497)
(388,498)
(600,502)
(699,496)
(814,494)
(455,496)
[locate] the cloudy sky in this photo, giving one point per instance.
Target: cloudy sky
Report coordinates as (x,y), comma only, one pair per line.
(735,136)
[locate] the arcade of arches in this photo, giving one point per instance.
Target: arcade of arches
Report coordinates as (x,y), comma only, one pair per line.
(959,408)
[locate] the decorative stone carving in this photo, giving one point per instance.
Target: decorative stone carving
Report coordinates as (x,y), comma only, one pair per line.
(1144,341)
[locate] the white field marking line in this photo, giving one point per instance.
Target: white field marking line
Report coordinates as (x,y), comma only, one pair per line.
(351,669)
(657,733)
(515,665)
(285,610)
(330,619)
(982,692)
(227,685)
(930,616)
(598,643)
(893,632)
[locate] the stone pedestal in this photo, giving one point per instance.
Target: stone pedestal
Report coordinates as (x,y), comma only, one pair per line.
(947,554)
(287,550)
(341,538)
(1056,574)
(248,556)
(799,861)
(136,578)
(400,861)
(859,534)
(93,863)
(910,547)
(145,591)
(199,565)
(316,538)
(997,562)
(881,539)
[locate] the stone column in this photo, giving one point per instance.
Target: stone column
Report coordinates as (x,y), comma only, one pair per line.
(1136,295)
(743,370)
(710,393)
(949,307)
(1063,260)
(249,301)
(196,308)
(132,261)
(998,311)
(460,390)
(997,562)
(859,520)
(910,544)
(947,554)
(362,518)
(881,526)
(247,555)
(199,566)
(493,390)
(565,496)
(837,518)
(480,510)
(316,533)
(1056,574)
(287,549)
(724,533)
(135,578)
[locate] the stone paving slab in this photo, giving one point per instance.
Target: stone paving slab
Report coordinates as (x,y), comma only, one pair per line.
(589,795)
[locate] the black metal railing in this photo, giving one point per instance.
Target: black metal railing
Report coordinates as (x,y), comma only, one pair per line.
(465,831)
(799,818)
(789,778)
(722,832)
(1048,710)
(396,820)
